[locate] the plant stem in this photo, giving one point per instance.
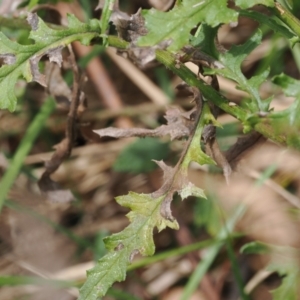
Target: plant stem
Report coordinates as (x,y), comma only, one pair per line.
(27,280)
(24,148)
(263,126)
(288,18)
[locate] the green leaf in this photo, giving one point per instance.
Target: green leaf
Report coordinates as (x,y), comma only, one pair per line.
(137,237)
(106,13)
(286,123)
(273,23)
(177,23)
(138,156)
(232,61)
(205,40)
(249,3)
(23,60)
(287,18)
(290,286)
(285,261)
(28,280)
(290,86)
(191,190)
(194,152)
(255,248)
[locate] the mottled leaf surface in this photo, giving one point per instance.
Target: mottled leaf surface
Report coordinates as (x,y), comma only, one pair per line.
(135,238)
(22,60)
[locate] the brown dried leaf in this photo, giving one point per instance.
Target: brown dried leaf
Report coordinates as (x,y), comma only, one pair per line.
(199,58)
(175,180)
(179,125)
(212,148)
(34,68)
(55,55)
(64,148)
(7,58)
(33,20)
(56,85)
(130,28)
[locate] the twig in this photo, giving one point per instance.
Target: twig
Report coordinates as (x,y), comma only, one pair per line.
(64,148)
(242,145)
(96,71)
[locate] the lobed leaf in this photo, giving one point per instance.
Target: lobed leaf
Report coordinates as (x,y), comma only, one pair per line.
(255,248)
(135,238)
(290,86)
(22,60)
(177,23)
(290,286)
(285,261)
(272,22)
(287,122)
(232,61)
(109,269)
(148,210)
(195,153)
(179,124)
(205,40)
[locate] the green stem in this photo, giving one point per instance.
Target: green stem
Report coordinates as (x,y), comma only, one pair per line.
(24,148)
(263,126)
(25,280)
(207,91)
(287,17)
